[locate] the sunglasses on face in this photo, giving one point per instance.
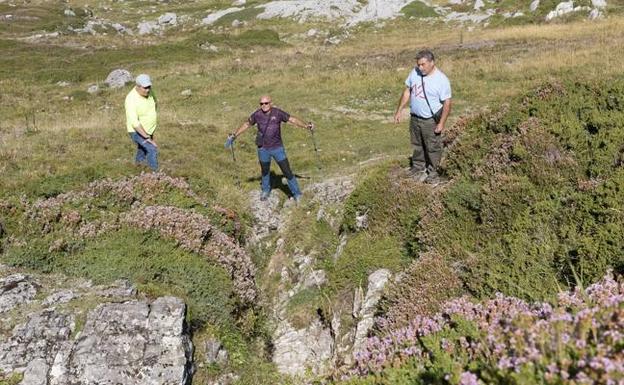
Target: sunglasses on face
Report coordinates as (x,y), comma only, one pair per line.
(264,103)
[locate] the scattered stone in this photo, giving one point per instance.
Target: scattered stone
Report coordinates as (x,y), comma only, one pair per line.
(118,78)
(121,29)
(315,279)
(237,23)
(312,32)
(209,47)
(63,84)
(148,27)
(534,5)
(187,92)
(599,3)
(595,14)
(213,17)
(361,220)
(212,347)
(563,8)
(478,5)
(93,89)
(238,3)
(69,12)
(169,19)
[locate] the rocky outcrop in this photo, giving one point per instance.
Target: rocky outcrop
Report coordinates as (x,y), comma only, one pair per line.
(124,340)
(15,290)
(376,283)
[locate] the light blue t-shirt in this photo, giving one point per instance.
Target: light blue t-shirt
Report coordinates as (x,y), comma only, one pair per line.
(437,87)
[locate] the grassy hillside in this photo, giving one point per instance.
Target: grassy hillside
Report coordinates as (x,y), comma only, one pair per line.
(534,159)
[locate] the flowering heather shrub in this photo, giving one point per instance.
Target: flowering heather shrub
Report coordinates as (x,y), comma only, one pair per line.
(534,197)
(424,286)
(579,340)
(195,233)
(107,205)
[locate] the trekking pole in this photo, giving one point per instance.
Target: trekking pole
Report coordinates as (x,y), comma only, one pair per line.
(316,150)
(230,143)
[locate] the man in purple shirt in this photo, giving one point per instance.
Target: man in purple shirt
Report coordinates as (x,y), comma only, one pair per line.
(269,141)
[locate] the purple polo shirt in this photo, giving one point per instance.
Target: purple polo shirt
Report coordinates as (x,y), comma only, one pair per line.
(269,127)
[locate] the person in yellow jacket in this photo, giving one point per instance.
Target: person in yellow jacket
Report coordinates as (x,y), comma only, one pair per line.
(141,120)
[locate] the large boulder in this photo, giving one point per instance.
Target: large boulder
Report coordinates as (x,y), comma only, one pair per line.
(118,78)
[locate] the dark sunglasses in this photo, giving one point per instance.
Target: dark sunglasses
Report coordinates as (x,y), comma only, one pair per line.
(264,103)
(146,88)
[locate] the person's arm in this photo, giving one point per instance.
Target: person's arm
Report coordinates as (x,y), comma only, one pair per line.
(402,103)
(300,123)
(243,127)
(446,110)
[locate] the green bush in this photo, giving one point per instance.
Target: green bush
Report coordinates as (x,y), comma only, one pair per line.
(536,196)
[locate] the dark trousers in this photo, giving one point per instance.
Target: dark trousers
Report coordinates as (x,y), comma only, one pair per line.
(426,143)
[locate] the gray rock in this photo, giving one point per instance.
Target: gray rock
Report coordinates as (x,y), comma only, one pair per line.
(16,289)
(534,5)
(266,213)
(599,3)
(361,221)
(478,4)
(213,17)
(376,283)
(212,347)
(315,279)
(120,288)
(118,78)
(69,13)
(222,357)
(120,28)
(59,297)
(93,89)
(238,3)
(36,373)
(595,14)
(209,47)
(561,9)
(168,18)
(186,92)
(312,32)
(237,23)
(148,27)
(306,350)
(39,338)
(133,337)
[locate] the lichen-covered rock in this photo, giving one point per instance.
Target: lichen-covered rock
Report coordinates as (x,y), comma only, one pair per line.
(16,289)
(129,342)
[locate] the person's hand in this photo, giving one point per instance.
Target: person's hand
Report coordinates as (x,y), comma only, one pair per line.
(310,126)
(153,142)
(439,128)
(230,141)
(397,117)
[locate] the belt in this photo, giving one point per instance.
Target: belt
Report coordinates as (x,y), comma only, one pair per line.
(420,117)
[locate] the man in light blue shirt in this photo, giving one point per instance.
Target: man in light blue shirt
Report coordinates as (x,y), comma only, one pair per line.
(429,92)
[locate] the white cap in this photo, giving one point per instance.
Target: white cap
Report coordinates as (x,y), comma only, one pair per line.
(143,80)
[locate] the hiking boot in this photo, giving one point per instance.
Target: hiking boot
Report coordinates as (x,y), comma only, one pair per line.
(418,175)
(433,178)
(264,196)
(298,199)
